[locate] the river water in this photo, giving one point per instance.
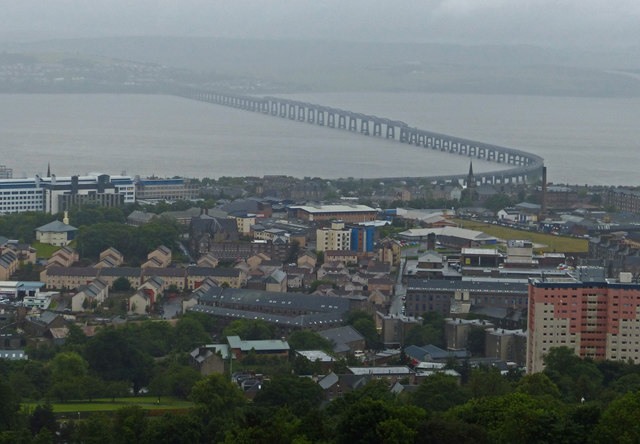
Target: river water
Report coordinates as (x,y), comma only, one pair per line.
(583,140)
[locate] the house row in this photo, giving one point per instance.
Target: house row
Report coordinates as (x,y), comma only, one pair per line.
(182,278)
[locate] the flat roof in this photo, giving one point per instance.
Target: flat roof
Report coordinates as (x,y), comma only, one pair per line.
(334,208)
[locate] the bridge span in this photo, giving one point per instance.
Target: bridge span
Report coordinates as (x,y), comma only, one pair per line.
(525,167)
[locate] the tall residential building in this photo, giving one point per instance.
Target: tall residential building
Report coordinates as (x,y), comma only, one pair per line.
(335,237)
(55,194)
(597,317)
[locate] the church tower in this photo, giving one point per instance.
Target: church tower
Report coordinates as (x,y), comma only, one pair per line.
(470,192)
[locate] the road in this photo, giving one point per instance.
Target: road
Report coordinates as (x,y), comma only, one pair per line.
(397,303)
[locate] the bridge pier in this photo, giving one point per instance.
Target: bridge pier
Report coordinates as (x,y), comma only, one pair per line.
(320,117)
(353,123)
(404,136)
(364,127)
(292,111)
(391,132)
(311,115)
(342,121)
(331,120)
(283,109)
(377,129)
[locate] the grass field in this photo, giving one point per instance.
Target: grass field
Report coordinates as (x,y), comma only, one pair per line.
(44,250)
(107,405)
(559,244)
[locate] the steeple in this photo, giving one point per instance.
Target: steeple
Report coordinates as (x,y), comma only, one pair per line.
(470,192)
(48,169)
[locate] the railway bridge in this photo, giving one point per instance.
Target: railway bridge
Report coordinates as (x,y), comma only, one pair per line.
(524,167)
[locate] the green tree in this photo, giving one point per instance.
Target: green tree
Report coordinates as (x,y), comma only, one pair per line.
(513,418)
(188,333)
(619,422)
(576,378)
(250,329)
(488,382)
(121,284)
(114,357)
(219,404)
(438,392)
(309,340)
(9,406)
(43,417)
(538,384)
(67,369)
(298,394)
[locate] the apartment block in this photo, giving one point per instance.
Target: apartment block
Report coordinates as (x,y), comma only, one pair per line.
(598,318)
(335,237)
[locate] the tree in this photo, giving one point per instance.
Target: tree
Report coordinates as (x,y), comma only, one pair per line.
(309,340)
(619,422)
(250,329)
(9,407)
(438,392)
(367,328)
(121,284)
(43,417)
(422,335)
(298,394)
(219,404)
(188,333)
(67,369)
(488,382)
(476,341)
(538,384)
(112,355)
(576,378)
(514,417)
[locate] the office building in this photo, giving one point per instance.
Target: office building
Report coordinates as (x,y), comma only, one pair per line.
(56,194)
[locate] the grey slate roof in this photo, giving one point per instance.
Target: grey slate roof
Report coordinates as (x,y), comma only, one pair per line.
(121,271)
(341,336)
(56,227)
(310,320)
(431,352)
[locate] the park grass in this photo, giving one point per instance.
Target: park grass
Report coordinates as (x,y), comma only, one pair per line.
(109,405)
(44,250)
(558,244)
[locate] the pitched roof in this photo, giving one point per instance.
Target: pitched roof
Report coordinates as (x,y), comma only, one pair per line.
(341,336)
(56,227)
(166,272)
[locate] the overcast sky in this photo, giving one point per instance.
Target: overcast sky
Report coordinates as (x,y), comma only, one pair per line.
(600,23)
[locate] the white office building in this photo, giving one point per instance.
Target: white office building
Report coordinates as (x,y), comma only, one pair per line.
(56,194)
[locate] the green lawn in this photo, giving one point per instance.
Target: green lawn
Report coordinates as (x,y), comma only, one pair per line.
(559,244)
(107,405)
(44,250)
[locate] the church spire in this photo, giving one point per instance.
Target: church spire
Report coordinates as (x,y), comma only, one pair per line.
(48,169)
(470,169)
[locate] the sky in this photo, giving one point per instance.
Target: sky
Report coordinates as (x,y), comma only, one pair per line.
(557,23)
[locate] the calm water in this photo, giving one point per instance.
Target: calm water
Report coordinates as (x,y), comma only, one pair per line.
(582,140)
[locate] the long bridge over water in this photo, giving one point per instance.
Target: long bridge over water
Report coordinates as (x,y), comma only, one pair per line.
(525,167)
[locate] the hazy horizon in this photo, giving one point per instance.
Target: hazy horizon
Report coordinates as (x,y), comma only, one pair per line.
(590,24)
